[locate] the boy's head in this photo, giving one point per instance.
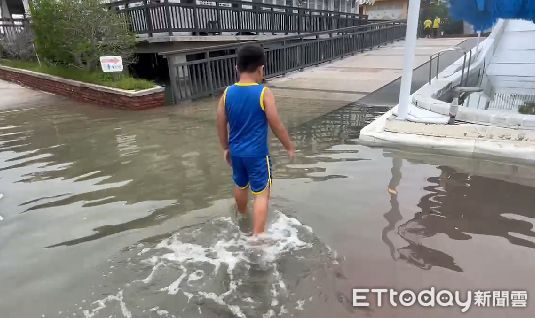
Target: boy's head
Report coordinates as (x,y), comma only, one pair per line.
(251,61)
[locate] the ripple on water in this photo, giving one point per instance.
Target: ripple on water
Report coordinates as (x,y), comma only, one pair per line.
(216,270)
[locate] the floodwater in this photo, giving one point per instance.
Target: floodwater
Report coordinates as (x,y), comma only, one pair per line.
(108,213)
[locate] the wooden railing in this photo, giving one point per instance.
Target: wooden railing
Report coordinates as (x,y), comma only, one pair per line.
(11,27)
(218,16)
(216,69)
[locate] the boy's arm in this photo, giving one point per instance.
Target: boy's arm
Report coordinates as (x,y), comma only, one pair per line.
(276,124)
(222,128)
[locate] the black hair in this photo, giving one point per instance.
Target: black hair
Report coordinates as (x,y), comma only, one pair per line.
(250,57)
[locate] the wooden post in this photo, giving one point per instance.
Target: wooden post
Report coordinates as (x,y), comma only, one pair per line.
(256,10)
(299,20)
(318,50)
(148,18)
(219,25)
(168,16)
(196,27)
(332,47)
(302,54)
(240,10)
(209,73)
(273,21)
(343,45)
(284,59)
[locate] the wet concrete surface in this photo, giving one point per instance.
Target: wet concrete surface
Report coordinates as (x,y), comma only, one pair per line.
(353,77)
(109,213)
(15,97)
(389,94)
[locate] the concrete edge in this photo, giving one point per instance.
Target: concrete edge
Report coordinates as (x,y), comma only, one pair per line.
(112,90)
(374,135)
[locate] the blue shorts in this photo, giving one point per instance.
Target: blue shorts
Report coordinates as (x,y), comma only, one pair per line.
(254,172)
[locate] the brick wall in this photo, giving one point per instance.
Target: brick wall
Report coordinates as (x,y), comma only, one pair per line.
(85,93)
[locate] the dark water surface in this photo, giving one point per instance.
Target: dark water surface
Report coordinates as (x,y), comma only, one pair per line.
(108,213)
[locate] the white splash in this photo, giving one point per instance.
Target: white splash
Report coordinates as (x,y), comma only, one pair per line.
(160,312)
(300,304)
(231,249)
(174,287)
(101,304)
(197,257)
(195,276)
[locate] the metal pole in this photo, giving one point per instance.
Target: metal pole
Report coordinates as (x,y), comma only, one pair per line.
(410,48)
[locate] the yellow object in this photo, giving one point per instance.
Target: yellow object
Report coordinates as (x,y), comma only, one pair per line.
(246,84)
(427,24)
(225,96)
(262,99)
(436,23)
(270,181)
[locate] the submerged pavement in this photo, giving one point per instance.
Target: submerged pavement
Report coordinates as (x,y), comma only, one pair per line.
(16,97)
(129,214)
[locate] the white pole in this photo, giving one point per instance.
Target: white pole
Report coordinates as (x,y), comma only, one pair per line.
(408,61)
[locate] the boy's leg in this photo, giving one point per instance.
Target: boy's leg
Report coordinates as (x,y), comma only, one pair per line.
(260,211)
(259,169)
(241,195)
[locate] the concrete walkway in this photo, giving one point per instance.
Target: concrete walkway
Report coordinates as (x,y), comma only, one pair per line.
(352,78)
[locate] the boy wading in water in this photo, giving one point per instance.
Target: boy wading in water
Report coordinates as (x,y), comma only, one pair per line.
(243,114)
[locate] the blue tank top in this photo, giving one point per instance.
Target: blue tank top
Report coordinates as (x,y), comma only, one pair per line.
(244,105)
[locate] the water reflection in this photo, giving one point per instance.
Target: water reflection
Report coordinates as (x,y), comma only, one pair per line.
(113,162)
(315,140)
(393,216)
(410,231)
(102,172)
(459,205)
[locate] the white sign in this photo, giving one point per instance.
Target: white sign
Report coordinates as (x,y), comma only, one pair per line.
(111,64)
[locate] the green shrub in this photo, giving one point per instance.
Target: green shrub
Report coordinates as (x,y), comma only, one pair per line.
(78,32)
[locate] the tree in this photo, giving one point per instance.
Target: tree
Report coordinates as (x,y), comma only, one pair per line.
(48,27)
(83,30)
